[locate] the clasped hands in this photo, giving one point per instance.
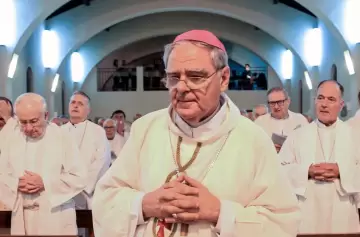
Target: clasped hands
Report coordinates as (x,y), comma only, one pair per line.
(326,172)
(183,200)
(30,183)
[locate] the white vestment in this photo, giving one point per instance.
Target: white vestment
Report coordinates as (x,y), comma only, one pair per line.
(5,132)
(327,207)
(95,152)
(237,163)
(282,127)
(116,144)
(54,158)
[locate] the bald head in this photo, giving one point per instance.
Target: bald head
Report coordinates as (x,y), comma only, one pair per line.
(333,85)
(30,101)
(31,111)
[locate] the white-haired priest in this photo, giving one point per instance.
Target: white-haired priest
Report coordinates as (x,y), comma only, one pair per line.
(40,173)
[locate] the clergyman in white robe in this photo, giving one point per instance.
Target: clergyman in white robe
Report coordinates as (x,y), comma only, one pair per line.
(116,145)
(282,127)
(327,207)
(55,158)
(95,152)
(237,163)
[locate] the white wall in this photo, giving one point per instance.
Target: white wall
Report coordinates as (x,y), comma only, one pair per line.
(104,103)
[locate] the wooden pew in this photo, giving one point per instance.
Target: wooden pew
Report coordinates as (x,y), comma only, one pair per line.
(84,220)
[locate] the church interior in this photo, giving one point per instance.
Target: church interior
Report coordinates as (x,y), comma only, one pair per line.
(111,52)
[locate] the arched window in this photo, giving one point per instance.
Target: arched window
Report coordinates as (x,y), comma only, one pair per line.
(333,72)
(63,97)
(29,80)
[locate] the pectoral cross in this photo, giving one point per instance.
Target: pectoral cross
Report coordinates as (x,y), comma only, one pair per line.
(162,225)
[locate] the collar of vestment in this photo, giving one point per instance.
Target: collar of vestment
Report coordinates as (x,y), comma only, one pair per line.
(79,125)
(323,126)
(218,125)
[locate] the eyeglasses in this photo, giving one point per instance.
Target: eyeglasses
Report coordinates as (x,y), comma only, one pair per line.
(193,81)
(33,123)
(109,127)
(277,102)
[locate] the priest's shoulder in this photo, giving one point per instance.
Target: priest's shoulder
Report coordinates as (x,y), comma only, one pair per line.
(247,127)
(262,119)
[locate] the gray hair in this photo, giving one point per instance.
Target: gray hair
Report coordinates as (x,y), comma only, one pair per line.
(218,56)
(260,105)
(110,120)
(31,98)
(278,89)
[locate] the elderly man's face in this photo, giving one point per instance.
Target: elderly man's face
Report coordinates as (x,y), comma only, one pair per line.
(259,111)
(188,61)
(110,130)
(32,120)
(79,107)
(279,104)
(328,102)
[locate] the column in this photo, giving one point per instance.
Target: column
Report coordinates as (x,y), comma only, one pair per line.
(5,83)
(139,78)
(76,86)
(49,96)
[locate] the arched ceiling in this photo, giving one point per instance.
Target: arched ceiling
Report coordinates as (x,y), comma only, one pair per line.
(137,29)
(283,23)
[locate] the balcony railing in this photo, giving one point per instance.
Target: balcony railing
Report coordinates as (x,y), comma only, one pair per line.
(112,79)
(125,79)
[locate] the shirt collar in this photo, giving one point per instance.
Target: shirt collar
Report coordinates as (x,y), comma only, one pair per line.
(208,125)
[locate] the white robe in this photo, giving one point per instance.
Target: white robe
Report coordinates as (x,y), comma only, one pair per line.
(282,127)
(326,207)
(7,130)
(255,199)
(95,152)
(54,158)
(116,144)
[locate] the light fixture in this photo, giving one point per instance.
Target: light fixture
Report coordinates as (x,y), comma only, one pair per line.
(55,82)
(287,65)
(7,22)
(77,67)
(13,65)
(351,20)
(308,80)
(49,48)
(313,47)
(349,62)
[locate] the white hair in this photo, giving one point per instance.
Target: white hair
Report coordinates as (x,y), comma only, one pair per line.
(218,56)
(110,120)
(261,105)
(31,98)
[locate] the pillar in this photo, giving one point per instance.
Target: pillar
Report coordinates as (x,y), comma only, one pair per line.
(5,83)
(139,78)
(49,96)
